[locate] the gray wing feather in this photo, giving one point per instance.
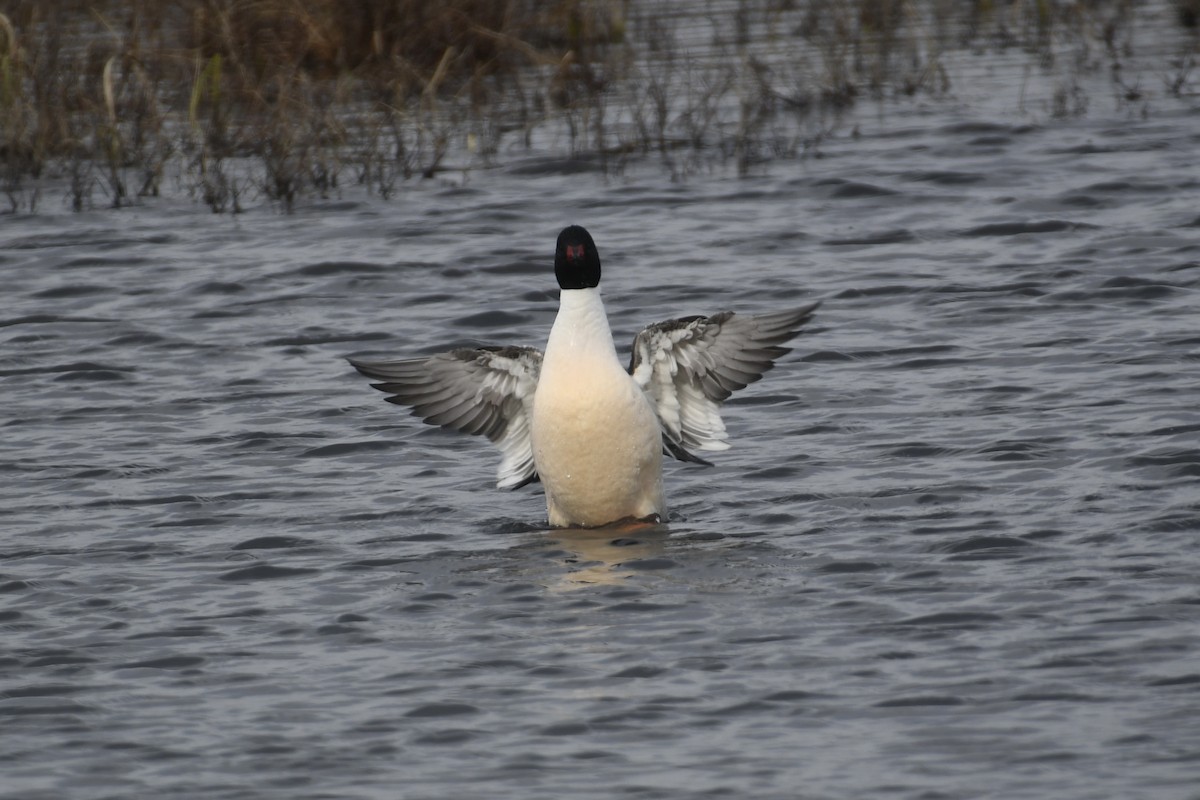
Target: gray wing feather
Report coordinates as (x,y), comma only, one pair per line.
(484,392)
(688,367)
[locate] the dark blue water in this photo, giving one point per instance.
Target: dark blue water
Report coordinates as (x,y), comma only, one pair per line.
(953,553)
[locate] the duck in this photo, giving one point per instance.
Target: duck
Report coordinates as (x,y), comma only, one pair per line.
(593,431)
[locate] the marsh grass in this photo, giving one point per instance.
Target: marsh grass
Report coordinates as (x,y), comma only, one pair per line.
(240,101)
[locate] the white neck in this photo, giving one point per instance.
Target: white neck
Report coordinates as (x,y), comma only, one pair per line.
(581,326)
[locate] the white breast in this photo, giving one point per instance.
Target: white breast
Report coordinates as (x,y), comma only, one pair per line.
(597,442)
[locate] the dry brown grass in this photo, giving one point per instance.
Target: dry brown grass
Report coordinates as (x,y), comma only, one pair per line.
(280,99)
(107,94)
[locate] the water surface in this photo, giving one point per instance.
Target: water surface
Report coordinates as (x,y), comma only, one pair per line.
(953,553)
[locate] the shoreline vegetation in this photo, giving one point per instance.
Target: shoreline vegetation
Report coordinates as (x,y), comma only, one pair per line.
(232,102)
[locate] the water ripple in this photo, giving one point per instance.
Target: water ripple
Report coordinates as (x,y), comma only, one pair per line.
(956,531)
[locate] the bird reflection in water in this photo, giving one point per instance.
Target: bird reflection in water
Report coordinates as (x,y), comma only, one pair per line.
(598,556)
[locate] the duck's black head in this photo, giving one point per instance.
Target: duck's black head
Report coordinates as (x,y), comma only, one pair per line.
(576,261)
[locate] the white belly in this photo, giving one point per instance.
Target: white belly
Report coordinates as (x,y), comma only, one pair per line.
(597,446)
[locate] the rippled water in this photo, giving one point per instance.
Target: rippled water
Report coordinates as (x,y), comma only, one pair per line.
(953,553)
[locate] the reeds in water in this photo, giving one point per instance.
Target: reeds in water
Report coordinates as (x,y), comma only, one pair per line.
(240,100)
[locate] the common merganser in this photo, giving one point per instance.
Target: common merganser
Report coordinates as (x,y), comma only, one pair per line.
(592,431)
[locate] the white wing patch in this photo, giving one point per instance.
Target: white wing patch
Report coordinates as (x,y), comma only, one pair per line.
(486,392)
(688,367)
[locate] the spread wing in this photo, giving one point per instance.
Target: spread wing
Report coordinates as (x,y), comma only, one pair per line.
(486,392)
(688,367)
